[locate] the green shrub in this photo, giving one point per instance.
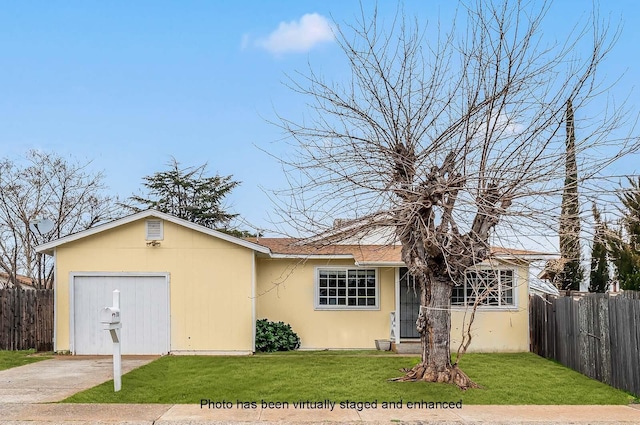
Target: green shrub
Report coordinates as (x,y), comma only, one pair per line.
(275,336)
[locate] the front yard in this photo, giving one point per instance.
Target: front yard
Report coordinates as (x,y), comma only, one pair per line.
(9,359)
(522,378)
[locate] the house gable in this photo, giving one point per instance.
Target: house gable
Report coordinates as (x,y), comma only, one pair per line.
(47,248)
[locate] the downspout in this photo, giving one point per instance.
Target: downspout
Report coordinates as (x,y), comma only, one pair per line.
(55,299)
(397,299)
(528,300)
(253,302)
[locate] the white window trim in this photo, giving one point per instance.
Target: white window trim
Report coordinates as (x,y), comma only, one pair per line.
(316,290)
(516,285)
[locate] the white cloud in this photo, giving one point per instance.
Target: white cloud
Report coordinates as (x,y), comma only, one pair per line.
(298,36)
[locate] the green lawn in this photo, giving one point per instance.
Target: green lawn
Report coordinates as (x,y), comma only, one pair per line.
(522,378)
(9,359)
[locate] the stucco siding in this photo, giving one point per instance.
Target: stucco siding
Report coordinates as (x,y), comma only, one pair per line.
(497,330)
(210,282)
(286,293)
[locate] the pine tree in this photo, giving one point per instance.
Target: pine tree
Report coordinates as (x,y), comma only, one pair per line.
(188,193)
(572,273)
(599,276)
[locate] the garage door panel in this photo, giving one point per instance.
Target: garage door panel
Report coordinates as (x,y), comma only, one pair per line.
(87,318)
(144,312)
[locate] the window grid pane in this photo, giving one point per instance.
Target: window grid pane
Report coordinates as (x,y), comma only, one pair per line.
(506,286)
(351,287)
(491,287)
(457,296)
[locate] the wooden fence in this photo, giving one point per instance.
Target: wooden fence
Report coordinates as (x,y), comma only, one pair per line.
(26,319)
(596,334)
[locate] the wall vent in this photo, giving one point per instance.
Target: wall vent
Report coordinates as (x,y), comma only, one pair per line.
(155,230)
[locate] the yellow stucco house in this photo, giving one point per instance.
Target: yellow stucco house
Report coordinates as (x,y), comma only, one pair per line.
(187,289)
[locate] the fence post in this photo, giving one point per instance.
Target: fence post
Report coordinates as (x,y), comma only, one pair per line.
(605,341)
(583,332)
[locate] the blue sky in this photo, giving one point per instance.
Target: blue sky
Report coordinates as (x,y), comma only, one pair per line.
(127,85)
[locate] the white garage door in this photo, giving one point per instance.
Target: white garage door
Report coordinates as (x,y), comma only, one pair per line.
(144,313)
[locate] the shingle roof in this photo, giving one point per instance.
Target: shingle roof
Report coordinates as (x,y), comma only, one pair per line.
(360,253)
(387,254)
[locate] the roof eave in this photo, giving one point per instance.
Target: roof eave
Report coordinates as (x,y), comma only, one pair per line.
(48,251)
(525,257)
(313,256)
(380,264)
(47,248)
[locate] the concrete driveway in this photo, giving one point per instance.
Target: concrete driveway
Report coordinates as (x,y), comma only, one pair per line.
(58,378)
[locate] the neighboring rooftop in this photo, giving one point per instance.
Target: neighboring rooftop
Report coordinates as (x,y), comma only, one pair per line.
(23,281)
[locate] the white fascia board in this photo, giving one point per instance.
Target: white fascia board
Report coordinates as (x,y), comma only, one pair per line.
(526,257)
(314,256)
(55,302)
(496,257)
(215,233)
(48,247)
(380,264)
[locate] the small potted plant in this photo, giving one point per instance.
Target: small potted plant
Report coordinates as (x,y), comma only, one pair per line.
(383,344)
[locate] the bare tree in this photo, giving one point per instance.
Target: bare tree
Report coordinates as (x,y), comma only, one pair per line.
(45,186)
(444,137)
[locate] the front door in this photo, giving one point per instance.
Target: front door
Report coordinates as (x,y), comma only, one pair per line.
(409,305)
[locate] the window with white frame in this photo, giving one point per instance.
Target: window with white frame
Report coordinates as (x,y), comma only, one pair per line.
(338,288)
(491,287)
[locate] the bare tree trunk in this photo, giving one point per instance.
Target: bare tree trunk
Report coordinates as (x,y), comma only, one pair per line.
(434,326)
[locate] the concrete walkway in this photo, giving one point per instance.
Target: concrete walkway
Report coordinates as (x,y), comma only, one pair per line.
(161,414)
